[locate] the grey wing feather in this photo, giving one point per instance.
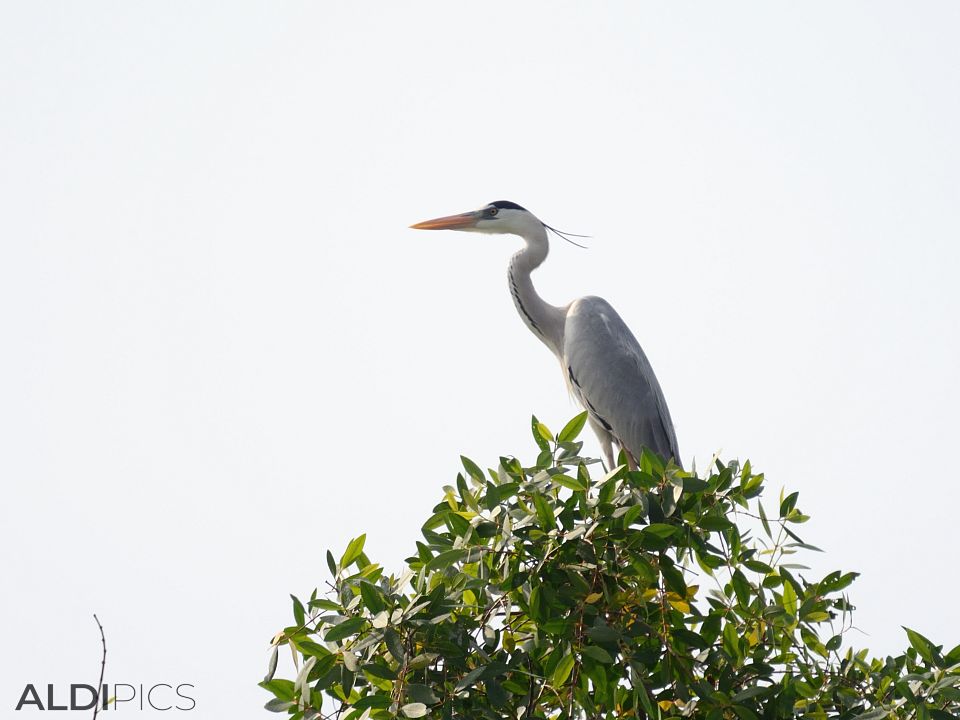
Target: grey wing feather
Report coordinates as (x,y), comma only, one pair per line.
(611,376)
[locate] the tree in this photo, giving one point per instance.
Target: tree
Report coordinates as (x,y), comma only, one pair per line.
(555,592)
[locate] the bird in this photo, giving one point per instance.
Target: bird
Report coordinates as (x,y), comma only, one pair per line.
(604,366)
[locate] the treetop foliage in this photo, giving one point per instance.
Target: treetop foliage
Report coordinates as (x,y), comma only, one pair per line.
(562,591)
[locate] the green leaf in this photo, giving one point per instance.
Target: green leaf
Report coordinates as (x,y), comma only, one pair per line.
(750,486)
(569,451)
(395,645)
(380,671)
(749,692)
(309,647)
(661,530)
(544,459)
(534,605)
(498,696)
(690,638)
(435,520)
(472,468)
(544,432)
(570,483)
(953,657)
(544,512)
(446,559)
(877,713)
(601,632)
(673,577)
(470,678)
(811,640)
(299,613)
(493,496)
(353,551)
(714,523)
(422,694)
(788,504)
(789,598)
(345,629)
(331,563)
(377,702)
(325,604)
(372,598)
(542,443)
(641,693)
(764,521)
(282,689)
(597,653)
(923,646)
(563,670)
(741,587)
(835,582)
(731,640)
(758,566)
(694,484)
(572,429)
(487,529)
(632,514)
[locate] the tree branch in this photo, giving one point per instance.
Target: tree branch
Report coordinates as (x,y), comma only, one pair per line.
(103,665)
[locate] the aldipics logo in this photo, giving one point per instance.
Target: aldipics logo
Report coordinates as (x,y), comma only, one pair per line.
(81,696)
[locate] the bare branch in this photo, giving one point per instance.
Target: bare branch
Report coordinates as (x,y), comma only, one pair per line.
(103,665)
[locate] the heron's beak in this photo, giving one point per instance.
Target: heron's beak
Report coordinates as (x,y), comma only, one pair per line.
(450,222)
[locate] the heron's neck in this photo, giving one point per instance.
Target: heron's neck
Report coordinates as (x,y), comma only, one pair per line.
(544,320)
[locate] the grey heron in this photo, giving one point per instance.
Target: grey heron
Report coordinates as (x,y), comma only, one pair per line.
(603,364)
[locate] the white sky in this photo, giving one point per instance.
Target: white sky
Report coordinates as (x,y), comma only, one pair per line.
(224,352)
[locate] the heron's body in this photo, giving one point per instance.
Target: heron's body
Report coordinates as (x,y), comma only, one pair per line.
(604,366)
(625,402)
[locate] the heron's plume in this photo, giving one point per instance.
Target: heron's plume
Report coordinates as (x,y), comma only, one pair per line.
(566,236)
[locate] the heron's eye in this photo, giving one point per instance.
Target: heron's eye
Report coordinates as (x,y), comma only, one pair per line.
(492,211)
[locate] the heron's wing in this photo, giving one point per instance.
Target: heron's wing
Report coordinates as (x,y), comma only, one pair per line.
(612,377)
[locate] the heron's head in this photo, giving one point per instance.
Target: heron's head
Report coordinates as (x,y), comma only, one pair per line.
(502,216)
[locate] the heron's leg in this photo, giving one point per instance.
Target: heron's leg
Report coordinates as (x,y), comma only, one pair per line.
(607,447)
(606,444)
(632,463)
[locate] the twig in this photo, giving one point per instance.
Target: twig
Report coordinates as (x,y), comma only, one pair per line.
(103,665)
